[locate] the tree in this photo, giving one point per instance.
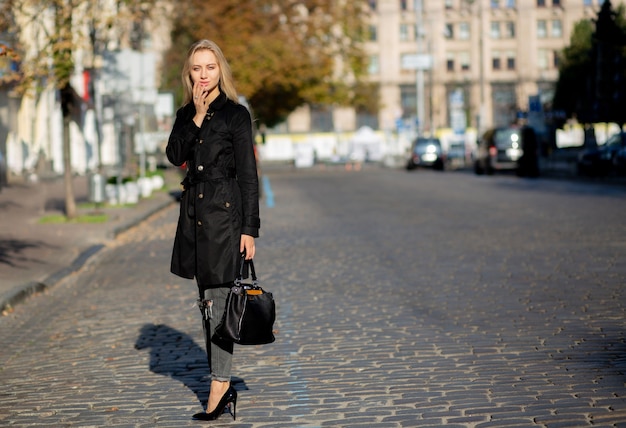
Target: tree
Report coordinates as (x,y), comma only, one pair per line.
(46,36)
(572,92)
(610,66)
(592,70)
(283,53)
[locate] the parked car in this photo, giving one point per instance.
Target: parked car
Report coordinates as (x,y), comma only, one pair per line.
(609,158)
(3,170)
(512,148)
(427,152)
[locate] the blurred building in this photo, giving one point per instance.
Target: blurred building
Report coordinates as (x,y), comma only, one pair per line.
(453,65)
(467,63)
(116,54)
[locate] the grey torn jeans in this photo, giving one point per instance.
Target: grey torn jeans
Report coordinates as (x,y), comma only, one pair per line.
(219,352)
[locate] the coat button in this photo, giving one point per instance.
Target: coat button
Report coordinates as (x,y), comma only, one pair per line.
(227,204)
(201,195)
(200,167)
(200,141)
(199,223)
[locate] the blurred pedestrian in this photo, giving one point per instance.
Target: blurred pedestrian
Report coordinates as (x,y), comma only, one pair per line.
(219,209)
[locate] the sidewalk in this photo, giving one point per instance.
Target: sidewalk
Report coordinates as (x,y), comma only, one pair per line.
(36,256)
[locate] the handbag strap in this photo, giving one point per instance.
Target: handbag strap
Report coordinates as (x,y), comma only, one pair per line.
(242,265)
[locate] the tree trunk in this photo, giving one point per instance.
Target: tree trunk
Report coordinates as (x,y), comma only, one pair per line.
(70,203)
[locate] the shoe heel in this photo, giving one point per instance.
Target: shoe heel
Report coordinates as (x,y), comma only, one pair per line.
(234,404)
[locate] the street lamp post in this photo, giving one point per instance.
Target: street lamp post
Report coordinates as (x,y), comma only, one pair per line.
(419,72)
(480,116)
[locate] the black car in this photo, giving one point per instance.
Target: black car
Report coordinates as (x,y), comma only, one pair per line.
(512,148)
(607,159)
(427,152)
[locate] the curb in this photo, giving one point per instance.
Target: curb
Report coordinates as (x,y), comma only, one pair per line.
(134,222)
(37,287)
(28,289)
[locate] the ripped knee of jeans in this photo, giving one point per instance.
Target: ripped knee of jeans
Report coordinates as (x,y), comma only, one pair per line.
(206,308)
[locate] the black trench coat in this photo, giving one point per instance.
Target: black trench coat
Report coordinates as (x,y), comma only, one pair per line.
(220,200)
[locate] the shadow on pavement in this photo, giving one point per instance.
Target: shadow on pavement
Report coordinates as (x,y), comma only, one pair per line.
(601,354)
(8,204)
(175,354)
(11,250)
(55,204)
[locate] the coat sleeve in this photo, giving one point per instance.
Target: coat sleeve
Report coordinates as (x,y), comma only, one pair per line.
(247,178)
(183,137)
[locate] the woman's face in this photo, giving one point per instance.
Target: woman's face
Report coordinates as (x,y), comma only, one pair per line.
(204,70)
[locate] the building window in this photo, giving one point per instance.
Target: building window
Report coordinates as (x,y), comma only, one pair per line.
(495,60)
(449,31)
(510,4)
(587,2)
(450,61)
(374,65)
(464,61)
(419,33)
(541,3)
(509,29)
(373,33)
(495,30)
(495,4)
(547,59)
(449,4)
(510,60)
(408,101)
(321,119)
(542,30)
(504,104)
(404,32)
(372,4)
(556,3)
(403,4)
(542,59)
(464,30)
(557,28)
(510,63)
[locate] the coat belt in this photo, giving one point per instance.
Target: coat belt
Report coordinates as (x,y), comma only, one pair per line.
(196,177)
(208,174)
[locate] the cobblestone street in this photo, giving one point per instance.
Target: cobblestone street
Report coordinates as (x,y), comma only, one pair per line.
(403,300)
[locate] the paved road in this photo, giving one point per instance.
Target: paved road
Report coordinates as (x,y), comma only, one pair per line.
(404,300)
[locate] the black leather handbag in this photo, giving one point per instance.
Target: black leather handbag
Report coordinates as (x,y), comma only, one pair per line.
(250,312)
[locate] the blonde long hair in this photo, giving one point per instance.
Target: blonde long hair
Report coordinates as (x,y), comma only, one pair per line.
(226,83)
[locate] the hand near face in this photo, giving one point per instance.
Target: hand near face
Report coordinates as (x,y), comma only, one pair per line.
(200,98)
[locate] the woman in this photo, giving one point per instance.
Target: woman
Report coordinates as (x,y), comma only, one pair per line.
(219,211)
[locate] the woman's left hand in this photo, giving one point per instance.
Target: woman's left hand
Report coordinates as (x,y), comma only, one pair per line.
(247,245)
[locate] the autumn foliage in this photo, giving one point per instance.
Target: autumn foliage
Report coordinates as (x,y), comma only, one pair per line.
(283,53)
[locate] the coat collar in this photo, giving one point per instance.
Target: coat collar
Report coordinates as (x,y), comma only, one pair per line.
(219,102)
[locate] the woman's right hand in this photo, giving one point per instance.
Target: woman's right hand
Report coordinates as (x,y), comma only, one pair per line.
(201,103)
(246,246)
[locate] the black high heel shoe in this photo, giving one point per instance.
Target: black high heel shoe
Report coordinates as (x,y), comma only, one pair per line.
(230,396)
